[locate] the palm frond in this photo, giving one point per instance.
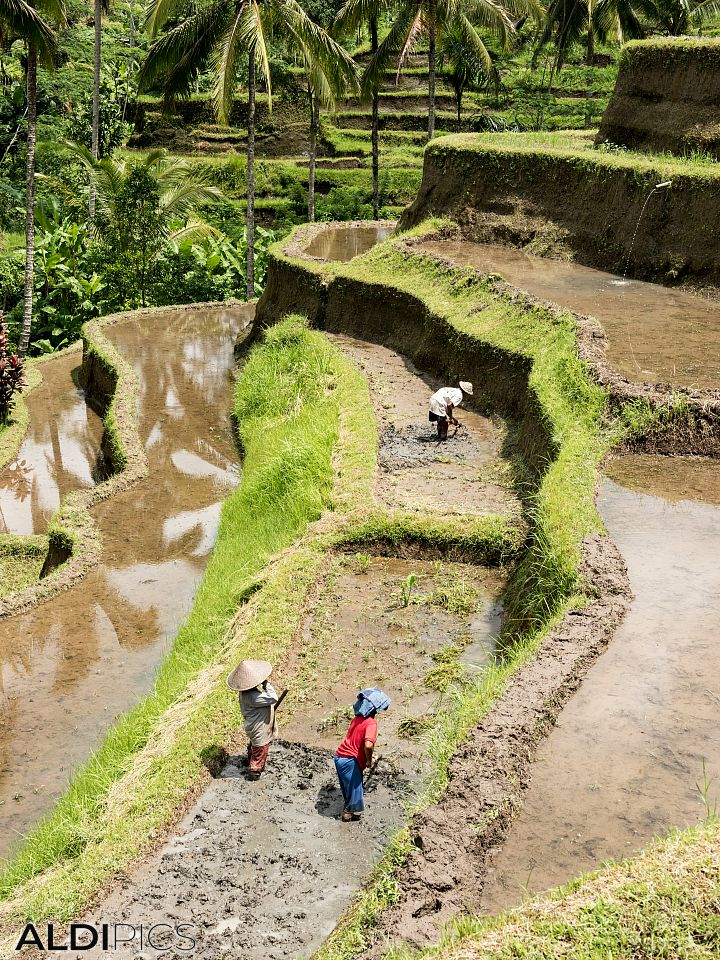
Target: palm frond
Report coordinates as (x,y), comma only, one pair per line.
(23,20)
(705,10)
(417,28)
(176,56)
(193,230)
(356,13)
(315,46)
(158,12)
(390,45)
(180,200)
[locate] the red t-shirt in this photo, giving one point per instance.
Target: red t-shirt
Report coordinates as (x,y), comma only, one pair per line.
(360,730)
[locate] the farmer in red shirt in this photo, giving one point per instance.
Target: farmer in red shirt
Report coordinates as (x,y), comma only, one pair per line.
(354,754)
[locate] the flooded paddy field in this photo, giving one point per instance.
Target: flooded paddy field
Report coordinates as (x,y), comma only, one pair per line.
(345,243)
(654,334)
(636,749)
(464,475)
(70,665)
(60,451)
(289,867)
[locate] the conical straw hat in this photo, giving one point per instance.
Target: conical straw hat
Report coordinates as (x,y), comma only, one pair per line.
(466,387)
(248,674)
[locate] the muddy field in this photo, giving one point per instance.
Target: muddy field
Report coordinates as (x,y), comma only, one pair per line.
(464,475)
(265,869)
(654,335)
(259,870)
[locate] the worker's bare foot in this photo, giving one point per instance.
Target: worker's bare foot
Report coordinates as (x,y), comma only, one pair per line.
(347,816)
(253,775)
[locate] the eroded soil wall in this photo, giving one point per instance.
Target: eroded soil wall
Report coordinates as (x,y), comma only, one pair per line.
(667,97)
(573,205)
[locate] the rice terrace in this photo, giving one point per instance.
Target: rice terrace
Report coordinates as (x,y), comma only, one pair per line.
(360,479)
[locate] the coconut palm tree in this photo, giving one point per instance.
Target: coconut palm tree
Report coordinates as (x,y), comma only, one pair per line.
(326,79)
(571,22)
(30,23)
(417,20)
(462,67)
(220,33)
(100,7)
(351,16)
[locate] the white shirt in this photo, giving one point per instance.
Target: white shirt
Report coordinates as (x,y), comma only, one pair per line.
(444,396)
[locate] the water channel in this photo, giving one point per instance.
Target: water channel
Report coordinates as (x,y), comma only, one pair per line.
(69,666)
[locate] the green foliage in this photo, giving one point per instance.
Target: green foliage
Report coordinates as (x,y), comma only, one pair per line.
(362,561)
(406,588)
(12,370)
(67,289)
(131,232)
(116,89)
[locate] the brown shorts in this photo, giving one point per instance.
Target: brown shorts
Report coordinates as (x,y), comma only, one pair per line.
(257,758)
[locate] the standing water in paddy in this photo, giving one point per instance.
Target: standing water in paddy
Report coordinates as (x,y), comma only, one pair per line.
(625,761)
(653,334)
(59,453)
(345,243)
(71,665)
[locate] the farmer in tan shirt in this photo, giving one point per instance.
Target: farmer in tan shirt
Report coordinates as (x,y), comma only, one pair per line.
(258,702)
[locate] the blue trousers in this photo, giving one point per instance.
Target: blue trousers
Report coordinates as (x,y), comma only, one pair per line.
(351,783)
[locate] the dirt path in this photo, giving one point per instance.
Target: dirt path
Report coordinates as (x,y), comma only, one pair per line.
(258,870)
(464,475)
(625,762)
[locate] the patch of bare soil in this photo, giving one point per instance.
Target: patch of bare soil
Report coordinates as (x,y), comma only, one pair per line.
(464,475)
(444,875)
(361,634)
(257,869)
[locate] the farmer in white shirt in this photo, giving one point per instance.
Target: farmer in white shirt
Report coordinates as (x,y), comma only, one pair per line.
(442,404)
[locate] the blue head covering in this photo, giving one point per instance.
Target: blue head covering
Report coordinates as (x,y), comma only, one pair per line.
(372,698)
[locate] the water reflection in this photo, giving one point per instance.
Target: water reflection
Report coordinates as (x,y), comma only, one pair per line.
(344,243)
(59,453)
(68,667)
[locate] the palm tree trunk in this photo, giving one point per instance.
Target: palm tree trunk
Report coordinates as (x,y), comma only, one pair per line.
(375,124)
(95,143)
(590,49)
(314,123)
(250,219)
(431,69)
(130,59)
(30,199)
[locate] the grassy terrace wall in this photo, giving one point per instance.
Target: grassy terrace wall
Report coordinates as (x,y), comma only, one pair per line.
(667,97)
(559,195)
